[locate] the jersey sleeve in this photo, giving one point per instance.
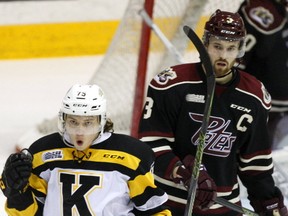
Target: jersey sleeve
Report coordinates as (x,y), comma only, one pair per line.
(255,158)
(159,116)
(26,203)
(146,196)
(29,203)
(256,166)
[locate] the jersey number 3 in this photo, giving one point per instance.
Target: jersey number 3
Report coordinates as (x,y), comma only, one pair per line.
(148,108)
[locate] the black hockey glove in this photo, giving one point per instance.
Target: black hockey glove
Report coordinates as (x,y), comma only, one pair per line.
(206,189)
(16,173)
(272,207)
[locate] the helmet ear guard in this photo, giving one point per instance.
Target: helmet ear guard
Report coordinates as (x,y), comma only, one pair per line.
(226,26)
(242,48)
(61,122)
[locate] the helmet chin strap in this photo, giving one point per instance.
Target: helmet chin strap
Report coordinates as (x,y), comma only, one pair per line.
(229,72)
(224,79)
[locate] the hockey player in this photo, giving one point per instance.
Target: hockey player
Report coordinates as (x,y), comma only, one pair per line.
(236,142)
(266,57)
(86,169)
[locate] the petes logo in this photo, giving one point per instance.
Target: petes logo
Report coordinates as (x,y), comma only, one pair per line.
(219,140)
(166,75)
(52,155)
(262,16)
(195,98)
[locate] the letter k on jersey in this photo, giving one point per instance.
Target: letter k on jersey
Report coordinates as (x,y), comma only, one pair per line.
(218,140)
(76,199)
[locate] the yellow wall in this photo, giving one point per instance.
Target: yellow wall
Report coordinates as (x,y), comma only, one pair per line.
(60,39)
(56,40)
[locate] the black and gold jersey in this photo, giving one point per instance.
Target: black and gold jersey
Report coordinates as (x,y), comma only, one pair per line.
(113,177)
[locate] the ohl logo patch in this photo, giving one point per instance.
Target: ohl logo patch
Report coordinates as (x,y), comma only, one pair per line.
(52,155)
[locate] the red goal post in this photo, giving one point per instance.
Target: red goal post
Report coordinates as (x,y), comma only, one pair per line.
(141,70)
(136,54)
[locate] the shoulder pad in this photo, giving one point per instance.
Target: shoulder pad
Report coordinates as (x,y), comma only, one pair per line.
(252,86)
(264,16)
(176,75)
(164,76)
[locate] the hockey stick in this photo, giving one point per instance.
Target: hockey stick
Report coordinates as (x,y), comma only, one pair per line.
(236,208)
(210,92)
(210,76)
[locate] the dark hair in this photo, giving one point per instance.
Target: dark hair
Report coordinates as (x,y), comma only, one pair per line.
(108,127)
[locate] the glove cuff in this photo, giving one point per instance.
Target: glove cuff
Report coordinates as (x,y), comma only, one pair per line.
(169,171)
(7,191)
(283,211)
(274,206)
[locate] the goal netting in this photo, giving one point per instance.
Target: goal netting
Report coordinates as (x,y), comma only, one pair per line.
(125,66)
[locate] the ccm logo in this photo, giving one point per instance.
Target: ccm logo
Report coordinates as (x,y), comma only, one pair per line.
(227,32)
(114,156)
(80,105)
(234,106)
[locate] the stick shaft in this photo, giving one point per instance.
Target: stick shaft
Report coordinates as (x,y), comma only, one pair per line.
(210,78)
(235,207)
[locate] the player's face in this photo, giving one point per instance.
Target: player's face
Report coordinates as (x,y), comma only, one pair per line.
(223,55)
(82,130)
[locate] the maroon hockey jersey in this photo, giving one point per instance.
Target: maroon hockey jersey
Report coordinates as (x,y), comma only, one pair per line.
(236,141)
(266,54)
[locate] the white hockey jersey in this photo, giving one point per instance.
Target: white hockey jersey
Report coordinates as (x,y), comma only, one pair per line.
(111,178)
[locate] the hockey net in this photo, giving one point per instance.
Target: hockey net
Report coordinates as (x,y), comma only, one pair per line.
(118,74)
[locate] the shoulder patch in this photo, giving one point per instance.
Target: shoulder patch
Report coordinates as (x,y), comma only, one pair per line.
(266,95)
(264,16)
(176,75)
(163,77)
